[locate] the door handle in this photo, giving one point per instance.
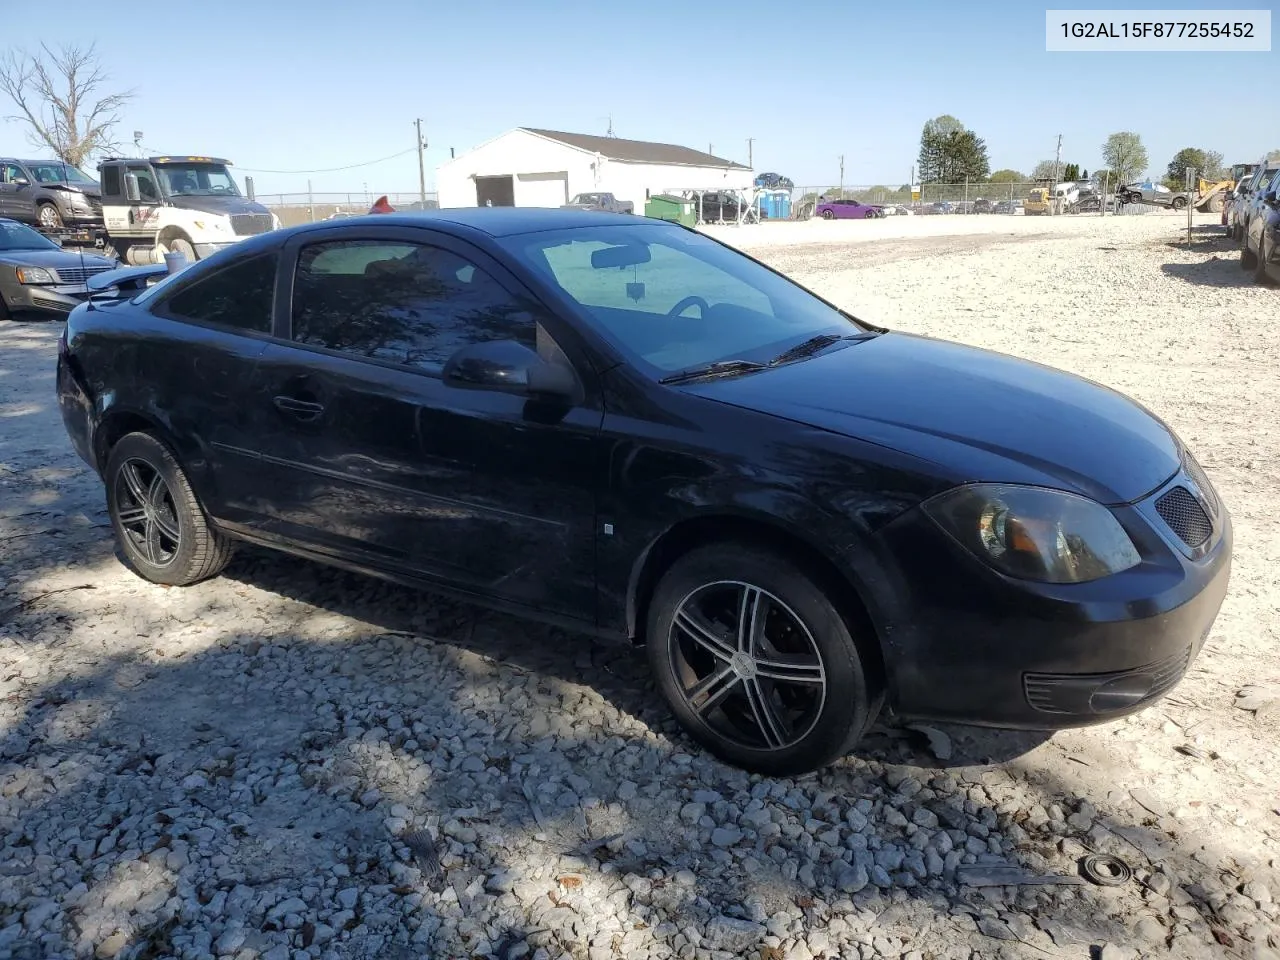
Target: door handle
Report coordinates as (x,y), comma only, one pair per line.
(302,409)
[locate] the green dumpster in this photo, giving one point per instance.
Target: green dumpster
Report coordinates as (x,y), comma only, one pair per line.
(666,207)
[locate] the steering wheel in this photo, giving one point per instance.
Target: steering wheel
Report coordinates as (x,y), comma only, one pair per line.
(688,302)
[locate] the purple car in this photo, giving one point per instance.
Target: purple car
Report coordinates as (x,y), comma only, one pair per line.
(847,209)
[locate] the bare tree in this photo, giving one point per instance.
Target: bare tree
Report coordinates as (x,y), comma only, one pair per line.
(59,97)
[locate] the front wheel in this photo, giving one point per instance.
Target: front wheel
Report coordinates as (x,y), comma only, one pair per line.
(869,215)
(1248,259)
(183,246)
(49,217)
(1179,203)
(756,662)
(160,526)
(828,215)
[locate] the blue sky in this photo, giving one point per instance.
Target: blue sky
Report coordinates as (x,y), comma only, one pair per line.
(292,86)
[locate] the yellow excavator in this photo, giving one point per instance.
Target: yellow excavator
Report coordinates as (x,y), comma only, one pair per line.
(1210,196)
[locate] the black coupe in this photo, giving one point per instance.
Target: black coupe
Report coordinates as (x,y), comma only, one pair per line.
(626,427)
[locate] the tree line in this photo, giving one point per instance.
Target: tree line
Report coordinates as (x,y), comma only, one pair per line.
(952,153)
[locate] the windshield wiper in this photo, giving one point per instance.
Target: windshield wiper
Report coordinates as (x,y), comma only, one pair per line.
(719,368)
(814,344)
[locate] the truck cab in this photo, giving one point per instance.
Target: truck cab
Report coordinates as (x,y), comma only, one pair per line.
(191,205)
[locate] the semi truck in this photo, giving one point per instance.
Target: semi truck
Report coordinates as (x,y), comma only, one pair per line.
(185,204)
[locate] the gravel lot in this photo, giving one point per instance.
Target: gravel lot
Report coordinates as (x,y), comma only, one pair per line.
(294,762)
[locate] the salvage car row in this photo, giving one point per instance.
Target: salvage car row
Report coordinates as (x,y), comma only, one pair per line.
(1252,218)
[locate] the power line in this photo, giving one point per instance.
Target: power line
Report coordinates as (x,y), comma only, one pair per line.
(353,166)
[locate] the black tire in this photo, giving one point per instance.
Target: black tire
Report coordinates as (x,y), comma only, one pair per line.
(1178,203)
(185,548)
(4,311)
(1260,265)
(48,216)
(828,215)
(870,214)
(825,707)
(1248,259)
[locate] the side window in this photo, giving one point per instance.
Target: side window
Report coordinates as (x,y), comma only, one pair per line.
(111,185)
(239,296)
(148,192)
(12,173)
(406,303)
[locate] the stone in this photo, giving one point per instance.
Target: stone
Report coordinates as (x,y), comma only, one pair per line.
(734,934)
(725,837)
(112,945)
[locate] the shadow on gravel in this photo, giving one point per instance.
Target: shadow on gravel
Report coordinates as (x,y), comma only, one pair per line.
(1220,270)
(211,785)
(293,758)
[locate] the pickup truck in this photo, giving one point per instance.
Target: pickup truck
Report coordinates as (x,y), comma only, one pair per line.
(1157,194)
(600,201)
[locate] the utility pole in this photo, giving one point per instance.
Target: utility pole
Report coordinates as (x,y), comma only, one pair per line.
(1057,165)
(842,176)
(750,143)
(422,172)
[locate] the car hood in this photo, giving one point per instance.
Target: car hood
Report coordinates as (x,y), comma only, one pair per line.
(979,415)
(88,189)
(53,259)
(224,205)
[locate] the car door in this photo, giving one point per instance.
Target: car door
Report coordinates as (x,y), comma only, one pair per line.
(13,194)
(366,454)
(195,348)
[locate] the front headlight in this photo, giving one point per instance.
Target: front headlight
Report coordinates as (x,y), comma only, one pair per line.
(35,275)
(1035,533)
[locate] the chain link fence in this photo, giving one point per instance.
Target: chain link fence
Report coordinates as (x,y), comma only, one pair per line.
(1010,199)
(308,207)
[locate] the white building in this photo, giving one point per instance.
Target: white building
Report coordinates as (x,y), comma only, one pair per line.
(546,168)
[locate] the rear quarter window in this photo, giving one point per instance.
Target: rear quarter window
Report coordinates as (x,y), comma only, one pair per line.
(239,295)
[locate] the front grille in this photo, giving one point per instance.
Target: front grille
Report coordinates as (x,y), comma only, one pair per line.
(248,224)
(50,304)
(95,205)
(1082,694)
(79,274)
(1185,517)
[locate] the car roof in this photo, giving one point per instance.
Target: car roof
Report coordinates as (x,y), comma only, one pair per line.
(494,221)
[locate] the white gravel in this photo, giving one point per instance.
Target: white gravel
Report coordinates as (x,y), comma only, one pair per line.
(293,762)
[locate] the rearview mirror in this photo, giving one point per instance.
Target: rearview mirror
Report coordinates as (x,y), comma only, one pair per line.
(627,255)
(131,187)
(509,367)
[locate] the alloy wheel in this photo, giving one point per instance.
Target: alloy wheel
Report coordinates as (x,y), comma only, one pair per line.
(747,665)
(147,514)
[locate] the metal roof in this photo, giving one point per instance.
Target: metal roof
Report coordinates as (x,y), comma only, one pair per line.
(637,151)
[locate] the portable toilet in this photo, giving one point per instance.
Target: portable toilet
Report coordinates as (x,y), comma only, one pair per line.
(775,204)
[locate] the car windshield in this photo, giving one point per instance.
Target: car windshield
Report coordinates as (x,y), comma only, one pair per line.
(671,299)
(54,172)
(17,236)
(197,180)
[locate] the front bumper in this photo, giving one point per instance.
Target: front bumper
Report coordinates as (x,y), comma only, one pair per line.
(968,645)
(60,298)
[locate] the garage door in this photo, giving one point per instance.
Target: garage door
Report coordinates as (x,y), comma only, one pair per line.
(542,189)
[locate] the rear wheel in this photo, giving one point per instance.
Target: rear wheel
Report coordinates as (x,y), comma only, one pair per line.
(161,527)
(48,216)
(1178,203)
(756,662)
(1260,266)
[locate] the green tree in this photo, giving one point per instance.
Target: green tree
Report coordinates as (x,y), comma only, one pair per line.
(1207,164)
(1084,174)
(1071,171)
(950,153)
(1008,176)
(1124,153)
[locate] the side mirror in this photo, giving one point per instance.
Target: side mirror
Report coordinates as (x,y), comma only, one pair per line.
(20,182)
(509,367)
(131,187)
